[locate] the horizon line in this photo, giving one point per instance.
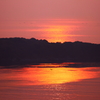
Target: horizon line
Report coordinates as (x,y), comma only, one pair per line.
(47,40)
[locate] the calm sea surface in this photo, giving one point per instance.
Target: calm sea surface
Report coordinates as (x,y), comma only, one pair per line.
(36,82)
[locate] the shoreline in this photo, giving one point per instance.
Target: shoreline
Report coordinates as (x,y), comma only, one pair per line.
(54,65)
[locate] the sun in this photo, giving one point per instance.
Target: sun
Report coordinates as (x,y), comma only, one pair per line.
(57,33)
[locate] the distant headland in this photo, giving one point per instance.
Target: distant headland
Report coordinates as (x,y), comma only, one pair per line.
(17,51)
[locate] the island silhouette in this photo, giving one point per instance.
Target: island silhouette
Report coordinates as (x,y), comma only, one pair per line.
(19,51)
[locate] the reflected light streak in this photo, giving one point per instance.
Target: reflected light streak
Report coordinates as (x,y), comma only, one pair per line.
(58,75)
(44,76)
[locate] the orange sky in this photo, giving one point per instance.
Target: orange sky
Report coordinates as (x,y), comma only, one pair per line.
(53,20)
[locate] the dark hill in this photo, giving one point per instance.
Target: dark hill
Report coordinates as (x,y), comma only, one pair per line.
(28,51)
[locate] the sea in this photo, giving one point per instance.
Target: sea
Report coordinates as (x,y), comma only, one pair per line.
(50,81)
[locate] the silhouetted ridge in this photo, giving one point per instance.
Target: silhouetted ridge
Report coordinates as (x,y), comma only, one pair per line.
(28,51)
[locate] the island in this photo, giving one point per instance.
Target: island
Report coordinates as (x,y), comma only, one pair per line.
(19,51)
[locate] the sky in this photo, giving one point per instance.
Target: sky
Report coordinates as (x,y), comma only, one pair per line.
(53,20)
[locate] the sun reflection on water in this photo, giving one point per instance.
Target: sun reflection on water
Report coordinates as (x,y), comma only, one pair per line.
(44,76)
(58,75)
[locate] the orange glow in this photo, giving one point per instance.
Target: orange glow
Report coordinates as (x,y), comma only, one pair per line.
(53,65)
(53,30)
(57,33)
(57,28)
(46,65)
(41,76)
(44,76)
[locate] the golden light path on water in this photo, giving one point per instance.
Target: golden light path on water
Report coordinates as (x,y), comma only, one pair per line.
(41,76)
(45,76)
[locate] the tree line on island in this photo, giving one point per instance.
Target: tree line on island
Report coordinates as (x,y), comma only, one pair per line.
(14,51)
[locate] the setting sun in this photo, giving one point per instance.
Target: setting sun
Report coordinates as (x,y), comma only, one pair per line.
(57,33)
(56,28)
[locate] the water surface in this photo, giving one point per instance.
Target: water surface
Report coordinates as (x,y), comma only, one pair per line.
(58,83)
